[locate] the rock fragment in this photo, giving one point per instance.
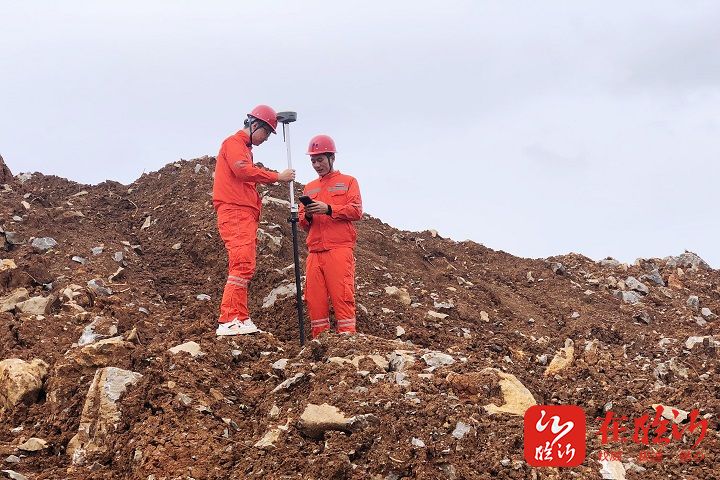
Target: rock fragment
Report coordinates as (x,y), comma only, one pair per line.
(437,359)
(516,396)
(562,360)
(21,381)
(279,293)
(33,444)
(101,414)
(36,305)
(635,284)
(9,302)
(188,347)
(44,244)
(400,293)
(268,440)
(318,419)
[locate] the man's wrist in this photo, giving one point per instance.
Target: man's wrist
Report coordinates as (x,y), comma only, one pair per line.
(329,210)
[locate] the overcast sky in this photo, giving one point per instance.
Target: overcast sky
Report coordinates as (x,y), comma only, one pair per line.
(538,128)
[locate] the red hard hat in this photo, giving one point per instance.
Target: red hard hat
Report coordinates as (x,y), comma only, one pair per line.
(265,114)
(321,144)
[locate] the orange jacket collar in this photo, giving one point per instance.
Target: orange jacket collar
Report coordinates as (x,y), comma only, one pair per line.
(244,138)
(330,175)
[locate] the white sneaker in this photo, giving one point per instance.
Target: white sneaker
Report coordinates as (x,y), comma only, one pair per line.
(248,327)
(230,328)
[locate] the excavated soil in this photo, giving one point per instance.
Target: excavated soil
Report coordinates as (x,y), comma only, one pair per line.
(627,356)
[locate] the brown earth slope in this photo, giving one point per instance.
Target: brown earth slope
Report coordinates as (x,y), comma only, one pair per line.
(180,415)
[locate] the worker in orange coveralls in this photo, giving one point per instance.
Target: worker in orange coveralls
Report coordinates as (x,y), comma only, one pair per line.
(330,266)
(238,206)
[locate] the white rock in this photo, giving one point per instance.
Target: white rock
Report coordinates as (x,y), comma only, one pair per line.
(13,475)
(707,313)
(190,347)
(268,440)
(399,331)
(628,297)
(635,284)
(278,293)
(612,470)
(400,360)
(437,359)
(318,419)
(290,382)
(609,262)
(43,244)
(100,327)
(203,297)
(434,314)
(33,445)
(484,316)
(146,223)
(280,364)
(100,415)
(687,260)
(446,305)
(266,200)
(461,429)
(8,302)
(272,242)
(663,370)
(24,177)
(669,413)
(36,305)
(714,341)
(416,442)
(398,378)
(98,286)
(401,293)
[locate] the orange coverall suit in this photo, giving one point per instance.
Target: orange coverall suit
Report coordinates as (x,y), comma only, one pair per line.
(330,266)
(238,206)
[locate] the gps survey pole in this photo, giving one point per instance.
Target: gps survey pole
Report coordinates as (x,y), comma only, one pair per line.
(286,118)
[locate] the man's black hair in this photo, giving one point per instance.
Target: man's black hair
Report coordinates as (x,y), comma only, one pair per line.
(260,123)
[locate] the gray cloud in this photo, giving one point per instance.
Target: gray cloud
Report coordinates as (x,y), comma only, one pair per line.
(534,128)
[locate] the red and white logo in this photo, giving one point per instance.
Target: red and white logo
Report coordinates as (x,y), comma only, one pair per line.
(554,436)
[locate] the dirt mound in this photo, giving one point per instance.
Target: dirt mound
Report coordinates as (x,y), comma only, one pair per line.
(100,282)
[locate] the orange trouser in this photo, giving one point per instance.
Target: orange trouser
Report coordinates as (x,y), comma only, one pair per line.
(238,229)
(330,274)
